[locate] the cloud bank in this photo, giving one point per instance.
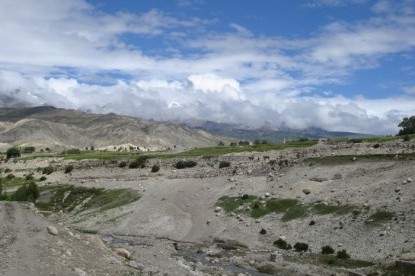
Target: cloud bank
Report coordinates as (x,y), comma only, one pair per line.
(69,54)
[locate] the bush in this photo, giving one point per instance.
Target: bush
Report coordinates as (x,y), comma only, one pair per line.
(407,138)
(122,164)
(29,177)
(42,178)
(300,246)
(68,169)
(375,146)
(140,162)
(28,149)
(155,168)
(13,152)
(282,244)
(185,164)
(10,176)
(327,250)
(342,254)
(48,170)
(26,193)
(224,164)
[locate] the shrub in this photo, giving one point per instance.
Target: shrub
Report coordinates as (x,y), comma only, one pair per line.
(10,176)
(224,164)
(155,168)
(342,254)
(7,170)
(375,146)
(282,244)
(68,169)
(42,178)
(1,191)
(28,149)
(26,193)
(48,170)
(13,152)
(300,246)
(29,177)
(407,138)
(140,162)
(185,164)
(327,250)
(122,164)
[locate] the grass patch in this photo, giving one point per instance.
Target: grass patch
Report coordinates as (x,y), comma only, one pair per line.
(290,208)
(268,269)
(328,260)
(67,198)
(382,216)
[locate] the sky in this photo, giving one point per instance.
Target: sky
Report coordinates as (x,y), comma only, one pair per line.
(340,65)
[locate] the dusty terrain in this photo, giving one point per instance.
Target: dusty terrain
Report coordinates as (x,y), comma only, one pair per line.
(175,228)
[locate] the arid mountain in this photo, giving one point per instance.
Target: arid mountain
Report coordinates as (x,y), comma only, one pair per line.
(60,128)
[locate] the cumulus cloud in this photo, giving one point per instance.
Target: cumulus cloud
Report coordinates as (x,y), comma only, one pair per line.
(77,58)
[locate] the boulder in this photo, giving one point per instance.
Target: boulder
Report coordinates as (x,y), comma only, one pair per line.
(52,230)
(122,252)
(306,191)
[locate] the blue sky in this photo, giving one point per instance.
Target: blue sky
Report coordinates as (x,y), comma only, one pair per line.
(335,64)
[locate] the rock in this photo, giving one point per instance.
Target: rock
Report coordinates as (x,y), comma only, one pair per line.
(267,195)
(306,191)
(96,241)
(52,230)
(312,223)
(208,222)
(135,265)
(282,238)
(257,221)
(275,256)
(354,159)
(382,233)
(232,179)
(409,180)
(122,252)
(218,209)
(263,231)
(397,189)
(80,272)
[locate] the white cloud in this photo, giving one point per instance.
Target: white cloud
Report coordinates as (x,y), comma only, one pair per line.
(229,77)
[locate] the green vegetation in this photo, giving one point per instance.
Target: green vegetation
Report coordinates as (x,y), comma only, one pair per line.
(28,150)
(13,153)
(139,162)
(407,126)
(224,164)
(382,216)
(342,254)
(68,168)
(329,260)
(67,198)
(290,208)
(48,170)
(398,270)
(71,151)
(345,159)
(327,250)
(301,247)
(268,269)
(282,244)
(182,164)
(26,192)
(122,164)
(155,168)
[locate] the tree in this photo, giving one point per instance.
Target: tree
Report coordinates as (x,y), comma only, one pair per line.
(407,125)
(13,152)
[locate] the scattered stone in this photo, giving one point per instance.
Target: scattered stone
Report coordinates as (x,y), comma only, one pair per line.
(218,209)
(267,194)
(122,252)
(282,238)
(263,231)
(275,256)
(135,265)
(306,191)
(96,241)
(312,223)
(257,221)
(382,233)
(52,230)
(409,180)
(354,158)
(208,222)
(232,179)
(397,189)
(80,272)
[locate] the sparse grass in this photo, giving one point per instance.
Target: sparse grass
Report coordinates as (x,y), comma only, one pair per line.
(13,182)
(328,260)
(382,216)
(290,208)
(67,198)
(396,270)
(346,159)
(268,269)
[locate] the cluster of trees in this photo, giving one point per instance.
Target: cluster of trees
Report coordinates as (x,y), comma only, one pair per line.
(407,126)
